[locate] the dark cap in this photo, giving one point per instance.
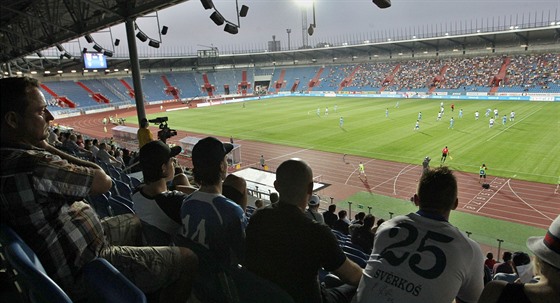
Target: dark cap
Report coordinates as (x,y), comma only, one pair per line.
(156,153)
(209,151)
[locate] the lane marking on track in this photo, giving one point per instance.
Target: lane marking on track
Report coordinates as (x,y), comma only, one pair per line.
(490,198)
(397,177)
(530,206)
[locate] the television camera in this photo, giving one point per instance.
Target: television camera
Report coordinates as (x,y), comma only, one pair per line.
(165,132)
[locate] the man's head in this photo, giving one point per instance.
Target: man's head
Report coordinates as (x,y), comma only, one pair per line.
(314,202)
(274,197)
(294,182)
(342,214)
(209,161)
(437,191)
(144,123)
(506,256)
(235,189)
(24,113)
(369,221)
(156,161)
(332,208)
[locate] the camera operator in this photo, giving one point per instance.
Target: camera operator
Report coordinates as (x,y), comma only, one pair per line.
(165,132)
(144,134)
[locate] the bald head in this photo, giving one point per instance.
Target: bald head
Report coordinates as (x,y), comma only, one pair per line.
(294,182)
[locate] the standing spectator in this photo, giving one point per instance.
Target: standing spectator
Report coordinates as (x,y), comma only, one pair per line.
(547,266)
(342,224)
(449,268)
(41,192)
(261,161)
(330,216)
(212,225)
(287,248)
(504,267)
(312,210)
(144,134)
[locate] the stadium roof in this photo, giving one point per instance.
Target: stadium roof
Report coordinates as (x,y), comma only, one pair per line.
(29,26)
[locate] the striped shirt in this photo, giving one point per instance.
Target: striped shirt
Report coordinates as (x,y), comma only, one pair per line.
(40,198)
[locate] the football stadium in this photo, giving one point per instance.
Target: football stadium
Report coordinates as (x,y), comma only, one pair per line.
(369,125)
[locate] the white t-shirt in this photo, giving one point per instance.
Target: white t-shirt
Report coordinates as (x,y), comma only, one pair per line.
(418,259)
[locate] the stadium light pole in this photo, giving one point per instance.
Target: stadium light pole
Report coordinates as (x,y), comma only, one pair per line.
(289,31)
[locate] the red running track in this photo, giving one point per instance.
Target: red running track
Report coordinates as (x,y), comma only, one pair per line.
(518,201)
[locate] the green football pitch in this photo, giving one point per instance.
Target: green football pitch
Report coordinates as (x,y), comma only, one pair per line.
(527,148)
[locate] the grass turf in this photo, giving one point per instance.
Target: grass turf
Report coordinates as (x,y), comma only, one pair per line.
(484,230)
(526,148)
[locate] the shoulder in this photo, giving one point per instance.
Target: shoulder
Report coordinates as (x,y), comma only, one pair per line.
(492,291)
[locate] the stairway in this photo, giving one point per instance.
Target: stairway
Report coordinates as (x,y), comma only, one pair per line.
(315,80)
(389,79)
(438,79)
(497,79)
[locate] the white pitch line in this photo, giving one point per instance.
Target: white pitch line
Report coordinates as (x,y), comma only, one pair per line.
(518,197)
(495,192)
(397,177)
(503,130)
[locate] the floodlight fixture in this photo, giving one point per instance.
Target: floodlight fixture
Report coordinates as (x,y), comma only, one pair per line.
(60,48)
(217,18)
(164,30)
(98,48)
(89,39)
(84,50)
(207,4)
(117,42)
(231,28)
(382,3)
(67,55)
(154,43)
(108,53)
(243,11)
(141,36)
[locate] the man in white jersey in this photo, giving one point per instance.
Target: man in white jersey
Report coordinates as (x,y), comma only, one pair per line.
(421,257)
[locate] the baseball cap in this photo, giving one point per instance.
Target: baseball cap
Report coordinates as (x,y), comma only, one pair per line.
(209,151)
(314,201)
(154,154)
(547,248)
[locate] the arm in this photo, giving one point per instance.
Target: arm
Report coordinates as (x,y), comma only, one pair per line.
(101,181)
(349,272)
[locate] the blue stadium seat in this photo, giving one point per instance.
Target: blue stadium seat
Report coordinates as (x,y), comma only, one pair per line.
(31,274)
(121,189)
(135,182)
(116,207)
(354,251)
(100,204)
(106,284)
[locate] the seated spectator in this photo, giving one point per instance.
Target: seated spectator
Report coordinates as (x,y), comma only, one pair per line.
(547,267)
(259,203)
(342,223)
(287,248)
(490,262)
(330,216)
(504,267)
(104,156)
(235,188)
(274,198)
(53,137)
(212,225)
(157,208)
(377,224)
(41,193)
(403,267)
(363,236)
(359,218)
(522,269)
(312,209)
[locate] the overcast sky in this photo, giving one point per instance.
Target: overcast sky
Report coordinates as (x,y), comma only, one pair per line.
(190,27)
